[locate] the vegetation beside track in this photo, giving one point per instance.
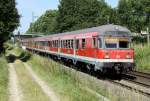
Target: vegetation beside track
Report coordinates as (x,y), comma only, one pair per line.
(3,79)
(142,57)
(65,82)
(16,53)
(67,85)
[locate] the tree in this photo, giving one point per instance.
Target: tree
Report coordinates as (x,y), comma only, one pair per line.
(45,24)
(9,20)
(78,14)
(134,14)
(146,11)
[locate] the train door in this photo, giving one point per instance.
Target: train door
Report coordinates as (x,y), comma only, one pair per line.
(94,46)
(82,48)
(74,46)
(59,45)
(77,43)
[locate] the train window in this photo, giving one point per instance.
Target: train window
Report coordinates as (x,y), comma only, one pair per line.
(43,43)
(123,43)
(77,44)
(111,42)
(53,43)
(61,43)
(46,43)
(68,44)
(72,44)
(56,43)
(64,43)
(50,43)
(83,43)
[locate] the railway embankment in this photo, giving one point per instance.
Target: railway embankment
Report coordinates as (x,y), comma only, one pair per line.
(67,86)
(84,81)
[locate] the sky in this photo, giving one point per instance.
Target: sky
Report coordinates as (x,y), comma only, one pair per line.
(27,8)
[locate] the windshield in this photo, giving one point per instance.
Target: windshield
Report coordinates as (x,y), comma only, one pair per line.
(114,43)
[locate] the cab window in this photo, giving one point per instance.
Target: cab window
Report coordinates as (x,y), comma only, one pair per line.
(111,42)
(123,43)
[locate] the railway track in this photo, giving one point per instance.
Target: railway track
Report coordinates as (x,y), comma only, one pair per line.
(130,88)
(141,74)
(139,78)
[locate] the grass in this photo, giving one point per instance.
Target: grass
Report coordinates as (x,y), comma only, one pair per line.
(3,80)
(142,57)
(31,91)
(71,86)
(66,85)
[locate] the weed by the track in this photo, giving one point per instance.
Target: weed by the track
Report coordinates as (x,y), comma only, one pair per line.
(3,80)
(64,83)
(142,57)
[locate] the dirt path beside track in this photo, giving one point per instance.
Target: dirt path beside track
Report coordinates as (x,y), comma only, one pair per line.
(46,89)
(19,90)
(14,90)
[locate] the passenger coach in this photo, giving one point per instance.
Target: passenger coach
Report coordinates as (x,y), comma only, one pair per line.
(105,48)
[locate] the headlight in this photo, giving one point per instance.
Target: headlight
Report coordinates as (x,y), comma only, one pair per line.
(107,55)
(128,56)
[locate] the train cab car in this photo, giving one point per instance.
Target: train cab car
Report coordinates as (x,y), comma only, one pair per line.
(115,51)
(105,48)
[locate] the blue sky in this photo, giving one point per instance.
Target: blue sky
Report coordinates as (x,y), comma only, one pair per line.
(26,7)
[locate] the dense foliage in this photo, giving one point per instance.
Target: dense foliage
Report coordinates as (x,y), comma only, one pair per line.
(45,24)
(79,14)
(134,14)
(9,20)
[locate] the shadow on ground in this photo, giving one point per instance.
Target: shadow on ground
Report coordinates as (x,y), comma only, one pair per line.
(24,57)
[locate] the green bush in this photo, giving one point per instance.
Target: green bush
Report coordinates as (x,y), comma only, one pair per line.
(17,53)
(142,57)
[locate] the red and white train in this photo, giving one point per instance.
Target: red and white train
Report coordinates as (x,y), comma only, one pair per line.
(105,48)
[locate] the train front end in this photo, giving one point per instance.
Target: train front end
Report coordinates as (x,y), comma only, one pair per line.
(117,54)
